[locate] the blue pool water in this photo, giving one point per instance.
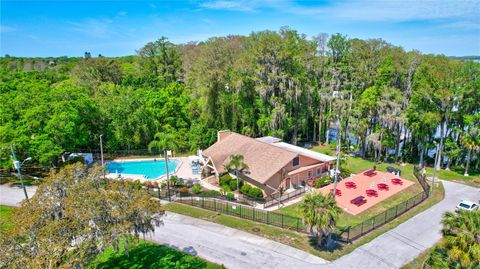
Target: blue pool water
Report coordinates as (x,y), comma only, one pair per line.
(151,169)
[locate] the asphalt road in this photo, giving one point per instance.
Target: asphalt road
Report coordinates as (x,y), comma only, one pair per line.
(237,249)
(12,196)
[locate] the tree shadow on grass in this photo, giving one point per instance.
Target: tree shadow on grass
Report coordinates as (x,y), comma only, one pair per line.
(332,246)
(147,255)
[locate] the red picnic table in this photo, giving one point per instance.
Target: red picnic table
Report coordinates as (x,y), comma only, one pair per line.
(337,192)
(371,192)
(383,186)
(370,173)
(397,181)
(350,185)
(358,201)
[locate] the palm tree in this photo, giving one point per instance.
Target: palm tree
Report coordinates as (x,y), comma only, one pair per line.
(470,140)
(461,234)
(164,141)
(236,164)
(320,213)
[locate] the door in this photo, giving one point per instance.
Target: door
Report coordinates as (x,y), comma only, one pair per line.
(294,182)
(287,183)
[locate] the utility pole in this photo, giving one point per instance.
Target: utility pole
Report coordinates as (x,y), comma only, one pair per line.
(101,148)
(18,166)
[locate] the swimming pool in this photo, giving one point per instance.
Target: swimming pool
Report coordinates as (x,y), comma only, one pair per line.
(149,168)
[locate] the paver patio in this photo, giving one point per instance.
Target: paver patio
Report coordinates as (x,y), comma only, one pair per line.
(364,183)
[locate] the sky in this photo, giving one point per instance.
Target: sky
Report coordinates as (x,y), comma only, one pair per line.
(117,28)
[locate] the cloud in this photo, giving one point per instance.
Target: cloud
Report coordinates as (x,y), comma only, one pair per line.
(404,10)
(122,13)
(7,29)
(230,5)
(354,10)
(464,25)
(97,28)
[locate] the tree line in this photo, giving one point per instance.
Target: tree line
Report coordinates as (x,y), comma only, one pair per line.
(384,102)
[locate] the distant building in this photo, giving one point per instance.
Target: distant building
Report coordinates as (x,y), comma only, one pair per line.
(87,157)
(87,55)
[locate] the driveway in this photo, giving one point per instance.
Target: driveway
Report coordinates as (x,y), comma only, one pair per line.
(12,196)
(237,249)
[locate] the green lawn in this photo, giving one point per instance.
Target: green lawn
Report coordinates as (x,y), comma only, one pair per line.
(359,164)
(149,255)
(299,240)
(5,218)
(264,230)
(346,219)
(247,212)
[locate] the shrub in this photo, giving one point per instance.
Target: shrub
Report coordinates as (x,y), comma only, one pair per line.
(174,181)
(245,189)
(230,196)
(321,182)
(225,179)
(210,193)
(233,184)
(255,192)
(197,188)
(344,172)
(225,189)
(183,191)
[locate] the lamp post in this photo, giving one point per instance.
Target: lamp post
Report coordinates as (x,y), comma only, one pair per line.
(18,166)
(101,148)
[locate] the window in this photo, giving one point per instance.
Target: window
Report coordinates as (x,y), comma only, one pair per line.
(319,171)
(296,161)
(310,174)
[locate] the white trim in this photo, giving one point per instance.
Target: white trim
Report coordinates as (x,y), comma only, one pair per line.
(305,152)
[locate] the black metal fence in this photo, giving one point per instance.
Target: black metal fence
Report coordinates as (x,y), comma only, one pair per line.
(349,234)
(344,234)
(285,197)
(112,153)
(422,179)
(245,212)
(354,232)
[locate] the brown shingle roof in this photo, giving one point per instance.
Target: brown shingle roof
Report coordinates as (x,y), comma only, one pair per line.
(263,160)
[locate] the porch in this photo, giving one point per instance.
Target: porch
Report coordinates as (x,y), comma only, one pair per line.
(304,176)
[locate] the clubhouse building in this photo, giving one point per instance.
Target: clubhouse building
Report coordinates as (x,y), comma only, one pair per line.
(272,164)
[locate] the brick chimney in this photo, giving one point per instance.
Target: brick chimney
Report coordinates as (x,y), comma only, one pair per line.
(222,134)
